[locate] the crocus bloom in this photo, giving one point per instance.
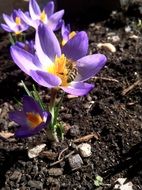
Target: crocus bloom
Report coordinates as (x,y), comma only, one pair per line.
(47,16)
(27,45)
(32,118)
(55,67)
(14,23)
(66,33)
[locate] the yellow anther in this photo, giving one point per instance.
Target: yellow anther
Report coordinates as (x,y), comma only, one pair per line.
(43,17)
(71,35)
(18,20)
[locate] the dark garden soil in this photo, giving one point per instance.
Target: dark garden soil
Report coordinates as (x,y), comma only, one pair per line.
(112,110)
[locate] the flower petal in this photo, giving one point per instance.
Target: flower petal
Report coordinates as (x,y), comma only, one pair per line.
(55,19)
(76,47)
(89,66)
(18,117)
(78,88)
(65,31)
(34,9)
(28,20)
(23,59)
(44,59)
(48,42)
(49,8)
(6,28)
(31,105)
(9,21)
(26,131)
(45,79)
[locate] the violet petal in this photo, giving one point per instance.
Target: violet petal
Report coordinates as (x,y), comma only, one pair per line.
(76,47)
(89,66)
(78,88)
(48,42)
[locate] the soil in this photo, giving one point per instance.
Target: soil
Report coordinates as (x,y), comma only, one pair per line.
(112,110)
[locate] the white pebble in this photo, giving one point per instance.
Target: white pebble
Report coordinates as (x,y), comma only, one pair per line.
(85,150)
(109,46)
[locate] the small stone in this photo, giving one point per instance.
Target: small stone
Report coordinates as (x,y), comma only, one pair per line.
(75,161)
(85,150)
(35,184)
(108,46)
(53,183)
(122,185)
(55,171)
(114,38)
(34,152)
(74,131)
(127,29)
(15,176)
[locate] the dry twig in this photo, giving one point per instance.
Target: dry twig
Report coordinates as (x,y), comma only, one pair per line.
(106,79)
(59,157)
(131,87)
(65,157)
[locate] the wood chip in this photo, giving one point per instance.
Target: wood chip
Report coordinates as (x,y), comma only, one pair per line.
(49,155)
(87,138)
(6,135)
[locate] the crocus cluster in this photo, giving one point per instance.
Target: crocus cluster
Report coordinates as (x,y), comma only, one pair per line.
(52,63)
(19,21)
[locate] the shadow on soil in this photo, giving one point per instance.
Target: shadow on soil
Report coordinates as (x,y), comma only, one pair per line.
(131,162)
(7,160)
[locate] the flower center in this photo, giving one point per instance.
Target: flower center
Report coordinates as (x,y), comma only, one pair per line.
(18,20)
(34,119)
(64,68)
(71,35)
(43,17)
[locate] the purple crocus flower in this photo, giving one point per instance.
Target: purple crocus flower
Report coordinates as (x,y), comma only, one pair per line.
(32,118)
(27,45)
(55,67)
(14,23)
(47,16)
(66,33)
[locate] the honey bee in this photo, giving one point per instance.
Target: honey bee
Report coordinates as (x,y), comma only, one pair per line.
(72,70)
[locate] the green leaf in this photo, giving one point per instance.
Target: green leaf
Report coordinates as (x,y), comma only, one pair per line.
(37,97)
(11,39)
(98,181)
(26,89)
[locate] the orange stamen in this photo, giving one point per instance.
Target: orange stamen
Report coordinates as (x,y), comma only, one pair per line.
(34,119)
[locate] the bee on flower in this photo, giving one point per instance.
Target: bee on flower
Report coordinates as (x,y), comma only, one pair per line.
(53,66)
(14,22)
